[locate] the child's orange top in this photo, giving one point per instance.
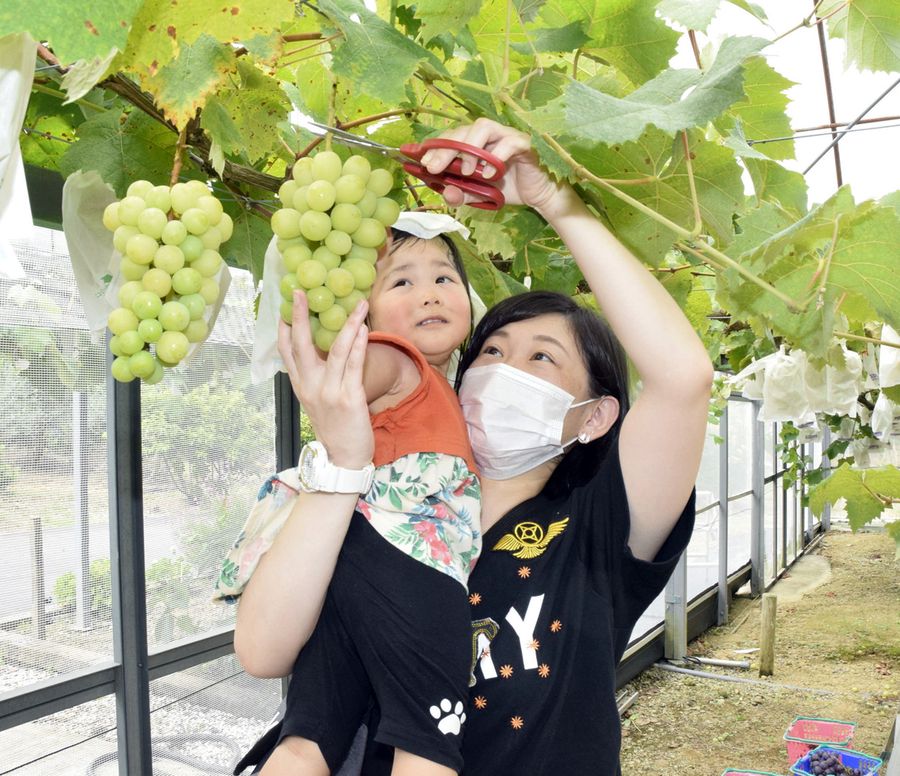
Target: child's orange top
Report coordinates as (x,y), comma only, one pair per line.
(429,420)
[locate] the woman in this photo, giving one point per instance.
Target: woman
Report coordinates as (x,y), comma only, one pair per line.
(578,540)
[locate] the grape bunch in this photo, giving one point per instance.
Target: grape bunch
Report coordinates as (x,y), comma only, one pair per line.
(333,219)
(827,763)
(169,238)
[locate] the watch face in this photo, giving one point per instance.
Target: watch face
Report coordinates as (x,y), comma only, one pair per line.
(306,467)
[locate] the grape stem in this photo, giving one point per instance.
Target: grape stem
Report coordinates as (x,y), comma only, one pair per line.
(179,156)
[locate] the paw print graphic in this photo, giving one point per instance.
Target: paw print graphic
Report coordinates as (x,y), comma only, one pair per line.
(450,718)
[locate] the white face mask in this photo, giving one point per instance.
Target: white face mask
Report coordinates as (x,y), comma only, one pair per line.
(515,419)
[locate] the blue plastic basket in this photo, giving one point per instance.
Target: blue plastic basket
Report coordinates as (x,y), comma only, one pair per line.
(848,757)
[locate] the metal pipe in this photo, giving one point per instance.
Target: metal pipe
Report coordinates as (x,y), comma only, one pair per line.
(739,679)
(829,96)
(723,593)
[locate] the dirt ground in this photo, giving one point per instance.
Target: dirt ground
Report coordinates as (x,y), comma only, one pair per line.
(837,656)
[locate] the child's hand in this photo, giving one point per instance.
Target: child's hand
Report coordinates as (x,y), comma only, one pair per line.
(330,390)
(525,182)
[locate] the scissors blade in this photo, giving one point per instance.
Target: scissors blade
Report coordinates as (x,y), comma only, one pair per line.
(348,138)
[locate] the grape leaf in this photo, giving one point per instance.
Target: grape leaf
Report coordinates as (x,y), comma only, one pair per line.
(625,33)
(162,26)
(871,29)
(757,225)
(752,8)
(51,128)
(891,200)
(73,30)
(374,55)
(692,14)
(771,181)
(247,247)
(528,9)
(568,38)
(122,151)
(861,488)
(181,86)
(440,16)
(674,100)
(216,121)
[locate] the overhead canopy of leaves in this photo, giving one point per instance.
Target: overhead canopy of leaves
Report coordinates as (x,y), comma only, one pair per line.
(871,30)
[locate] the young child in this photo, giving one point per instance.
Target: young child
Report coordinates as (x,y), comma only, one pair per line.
(395,626)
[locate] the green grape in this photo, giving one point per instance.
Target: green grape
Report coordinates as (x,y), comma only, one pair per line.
(122,235)
(340,282)
(345,217)
(327,258)
(226,227)
(333,318)
(174,316)
(311,274)
(326,165)
(157,373)
(289,283)
(286,192)
(208,264)
(120,370)
(114,344)
(212,207)
(130,342)
(142,364)
(314,324)
(196,221)
(294,255)
(128,292)
(349,189)
(363,273)
(139,189)
(324,338)
(146,305)
(187,281)
(338,242)
(367,204)
(174,232)
(152,221)
(386,211)
(287,311)
(366,254)
(121,320)
(302,171)
(314,225)
(197,331)
(131,271)
(150,329)
(283,245)
(209,290)
(168,258)
(370,234)
(285,223)
(198,188)
(212,238)
(141,248)
(319,299)
(195,304)
(300,202)
(160,198)
(192,248)
(157,281)
(380,182)
(111,216)
(320,195)
(350,301)
(182,198)
(129,210)
(172,347)
(357,165)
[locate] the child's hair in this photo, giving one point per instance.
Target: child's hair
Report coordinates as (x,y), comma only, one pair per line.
(603,358)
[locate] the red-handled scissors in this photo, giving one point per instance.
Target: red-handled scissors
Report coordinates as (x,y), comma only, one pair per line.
(410,154)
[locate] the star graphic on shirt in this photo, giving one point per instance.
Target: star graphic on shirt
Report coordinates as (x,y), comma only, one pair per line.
(543,670)
(534,645)
(480,702)
(516,722)
(524,572)
(506,671)
(475,599)
(556,626)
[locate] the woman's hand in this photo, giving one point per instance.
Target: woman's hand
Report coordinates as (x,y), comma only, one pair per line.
(330,390)
(525,182)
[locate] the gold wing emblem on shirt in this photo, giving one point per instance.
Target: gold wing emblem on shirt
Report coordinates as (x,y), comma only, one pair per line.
(528,539)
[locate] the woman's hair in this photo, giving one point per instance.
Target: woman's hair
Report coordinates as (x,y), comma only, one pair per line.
(603,357)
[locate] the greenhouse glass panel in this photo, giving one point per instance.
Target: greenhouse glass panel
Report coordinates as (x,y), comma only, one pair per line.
(740,446)
(738,533)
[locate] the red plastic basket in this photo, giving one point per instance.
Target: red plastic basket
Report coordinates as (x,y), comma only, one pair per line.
(806,733)
(742,772)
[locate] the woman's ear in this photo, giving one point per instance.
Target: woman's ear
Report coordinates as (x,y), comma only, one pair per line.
(602,418)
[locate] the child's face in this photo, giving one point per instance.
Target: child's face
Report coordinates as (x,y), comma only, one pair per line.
(419,296)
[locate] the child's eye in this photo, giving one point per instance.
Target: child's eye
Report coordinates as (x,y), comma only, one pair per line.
(400,282)
(445,279)
(490,350)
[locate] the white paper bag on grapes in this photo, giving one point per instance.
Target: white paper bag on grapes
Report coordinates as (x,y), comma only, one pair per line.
(265,361)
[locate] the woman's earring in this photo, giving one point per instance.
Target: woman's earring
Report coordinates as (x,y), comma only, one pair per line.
(584,437)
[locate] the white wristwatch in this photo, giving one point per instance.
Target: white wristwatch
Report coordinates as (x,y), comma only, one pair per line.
(319,475)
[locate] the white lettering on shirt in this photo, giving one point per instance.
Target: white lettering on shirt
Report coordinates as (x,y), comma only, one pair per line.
(524,629)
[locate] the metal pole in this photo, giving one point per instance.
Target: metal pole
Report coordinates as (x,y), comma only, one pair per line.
(826,465)
(82,516)
(676,612)
(129,597)
(757,526)
(722,608)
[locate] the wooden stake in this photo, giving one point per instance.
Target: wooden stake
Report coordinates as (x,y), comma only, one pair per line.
(767,635)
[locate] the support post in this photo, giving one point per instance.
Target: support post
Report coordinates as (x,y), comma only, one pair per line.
(82,516)
(38,593)
(826,465)
(767,634)
(722,598)
(757,508)
(676,612)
